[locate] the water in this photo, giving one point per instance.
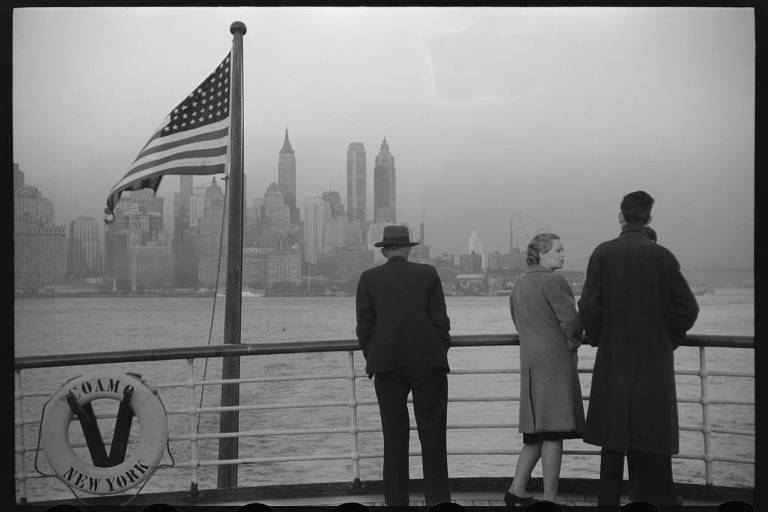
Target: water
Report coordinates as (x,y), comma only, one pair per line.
(73,325)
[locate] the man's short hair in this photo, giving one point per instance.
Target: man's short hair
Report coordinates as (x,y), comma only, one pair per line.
(539,244)
(636,207)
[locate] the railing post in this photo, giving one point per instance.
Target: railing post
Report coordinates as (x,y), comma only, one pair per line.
(194,414)
(706,426)
(21,474)
(353,419)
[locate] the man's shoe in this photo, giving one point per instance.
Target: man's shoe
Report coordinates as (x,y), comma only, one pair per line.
(512,500)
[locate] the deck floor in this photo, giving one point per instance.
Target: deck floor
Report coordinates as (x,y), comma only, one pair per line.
(467,499)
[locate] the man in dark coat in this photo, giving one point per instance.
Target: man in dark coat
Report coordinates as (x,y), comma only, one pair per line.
(636,307)
(402,327)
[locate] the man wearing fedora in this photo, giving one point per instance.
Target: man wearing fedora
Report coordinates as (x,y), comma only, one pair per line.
(402,327)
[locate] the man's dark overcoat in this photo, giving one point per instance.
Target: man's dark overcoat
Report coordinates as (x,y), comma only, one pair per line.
(401,317)
(636,306)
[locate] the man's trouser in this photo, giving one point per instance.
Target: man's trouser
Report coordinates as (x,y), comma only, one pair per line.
(650,477)
(430,405)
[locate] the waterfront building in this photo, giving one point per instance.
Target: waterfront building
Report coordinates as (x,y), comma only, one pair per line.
(252,228)
(184,253)
(39,255)
(277,215)
(316,213)
(353,238)
(262,268)
(471,263)
(495,261)
(284,266)
(40,246)
(150,266)
(419,253)
(286,178)
(84,258)
(197,206)
(30,208)
(472,284)
(356,184)
(384,190)
(138,222)
(514,261)
(476,246)
(334,233)
(345,262)
(444,261)
(210,238)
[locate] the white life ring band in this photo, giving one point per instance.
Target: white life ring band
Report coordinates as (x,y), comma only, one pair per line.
(141,460)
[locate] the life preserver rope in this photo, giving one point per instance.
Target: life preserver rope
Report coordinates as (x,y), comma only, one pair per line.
(141,460)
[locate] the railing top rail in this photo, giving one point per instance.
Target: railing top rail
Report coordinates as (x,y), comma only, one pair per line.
(292,347)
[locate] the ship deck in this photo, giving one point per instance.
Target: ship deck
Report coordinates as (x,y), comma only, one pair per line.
(478,492)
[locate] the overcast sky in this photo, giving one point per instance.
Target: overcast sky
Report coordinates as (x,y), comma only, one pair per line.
(552,112)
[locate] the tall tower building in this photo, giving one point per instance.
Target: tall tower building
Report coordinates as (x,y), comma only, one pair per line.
(356,187)
(316,213)
(184,259)
(517,237)
(286,177)
(84,257)
(213,221)
(476,246)
(384,205)
(39,246)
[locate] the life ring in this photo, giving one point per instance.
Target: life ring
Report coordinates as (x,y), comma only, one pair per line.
(137,466)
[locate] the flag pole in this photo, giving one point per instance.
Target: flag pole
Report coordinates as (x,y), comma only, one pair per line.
(230,369)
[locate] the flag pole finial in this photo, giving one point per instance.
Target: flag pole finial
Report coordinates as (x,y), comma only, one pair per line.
(238,26)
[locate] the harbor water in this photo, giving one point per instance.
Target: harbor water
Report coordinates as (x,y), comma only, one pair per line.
(77,325)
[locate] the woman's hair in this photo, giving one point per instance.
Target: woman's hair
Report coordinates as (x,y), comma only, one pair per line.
(541,243)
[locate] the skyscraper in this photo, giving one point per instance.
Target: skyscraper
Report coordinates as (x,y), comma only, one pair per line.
(476,247)
(384,205)
(85,256)
(517,238)
(184,258)
(316,213)
(210,241)
(40,247)
(286,178)
(356,187)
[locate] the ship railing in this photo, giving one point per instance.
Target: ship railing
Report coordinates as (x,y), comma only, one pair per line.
(193,410)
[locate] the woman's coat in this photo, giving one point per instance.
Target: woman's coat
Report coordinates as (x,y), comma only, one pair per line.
(544,312)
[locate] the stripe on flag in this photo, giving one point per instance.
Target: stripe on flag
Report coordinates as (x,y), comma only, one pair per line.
(192,139)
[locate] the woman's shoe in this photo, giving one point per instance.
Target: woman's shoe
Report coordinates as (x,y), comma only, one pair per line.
(511,500)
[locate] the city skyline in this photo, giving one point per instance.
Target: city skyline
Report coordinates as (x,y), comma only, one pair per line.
(489,111)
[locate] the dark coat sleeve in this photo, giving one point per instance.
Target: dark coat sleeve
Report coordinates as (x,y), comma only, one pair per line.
(366,315)
(683,309)
(438,313)
(590,303)
(560,296)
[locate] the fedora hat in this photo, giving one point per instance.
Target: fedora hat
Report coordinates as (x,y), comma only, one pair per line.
(395,236)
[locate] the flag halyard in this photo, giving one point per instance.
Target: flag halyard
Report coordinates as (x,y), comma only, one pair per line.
(192,139)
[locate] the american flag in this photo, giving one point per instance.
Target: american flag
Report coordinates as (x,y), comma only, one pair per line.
(192,139)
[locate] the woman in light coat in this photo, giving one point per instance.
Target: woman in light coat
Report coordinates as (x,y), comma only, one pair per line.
(544,312)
